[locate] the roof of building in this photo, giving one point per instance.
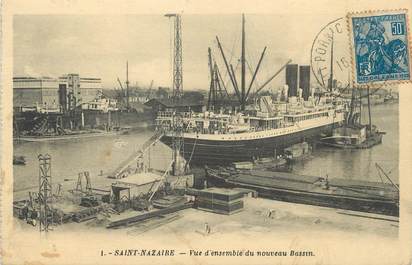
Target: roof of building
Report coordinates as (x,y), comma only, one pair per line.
(54,78)
(170,103)
(111,93)
(138,179)
(31,78)
(138,105)
(97,79)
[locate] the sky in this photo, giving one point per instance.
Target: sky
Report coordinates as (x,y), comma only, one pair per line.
(100,45)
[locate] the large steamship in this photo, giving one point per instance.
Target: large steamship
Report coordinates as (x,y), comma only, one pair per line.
(261,126)
(224,138)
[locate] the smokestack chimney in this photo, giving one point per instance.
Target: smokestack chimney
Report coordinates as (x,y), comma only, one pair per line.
(292,79)
(304,80)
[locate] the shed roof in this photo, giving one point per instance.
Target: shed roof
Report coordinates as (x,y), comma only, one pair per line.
(138,179)
(170,103)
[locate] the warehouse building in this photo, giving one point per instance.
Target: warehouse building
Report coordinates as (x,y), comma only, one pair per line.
(31,92)
(54,94)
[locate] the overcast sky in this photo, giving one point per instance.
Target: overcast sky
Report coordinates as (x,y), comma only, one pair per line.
(99,45)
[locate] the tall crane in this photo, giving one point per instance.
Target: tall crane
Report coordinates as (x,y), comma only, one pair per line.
(149,91)
(121,86)
(122,95)
(216,95)
(127,85)
(177,85)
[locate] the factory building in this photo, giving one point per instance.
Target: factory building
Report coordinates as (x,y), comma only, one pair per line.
(54,94)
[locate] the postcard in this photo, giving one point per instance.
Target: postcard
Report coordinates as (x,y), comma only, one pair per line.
(206,132)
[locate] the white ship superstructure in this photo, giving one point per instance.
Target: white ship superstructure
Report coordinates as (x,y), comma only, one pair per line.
(262,130)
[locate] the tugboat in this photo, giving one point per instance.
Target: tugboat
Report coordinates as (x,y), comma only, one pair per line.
(298,152)
(354,137)
(354,134)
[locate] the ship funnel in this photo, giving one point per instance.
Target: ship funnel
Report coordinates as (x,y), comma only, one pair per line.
(304,80)
(292,79)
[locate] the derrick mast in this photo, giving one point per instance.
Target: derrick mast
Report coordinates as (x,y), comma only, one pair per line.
(177,82)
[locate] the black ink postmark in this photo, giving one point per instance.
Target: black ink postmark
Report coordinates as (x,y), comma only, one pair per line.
(331,60)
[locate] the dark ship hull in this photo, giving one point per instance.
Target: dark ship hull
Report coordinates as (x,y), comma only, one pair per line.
(218,152)
(355,195)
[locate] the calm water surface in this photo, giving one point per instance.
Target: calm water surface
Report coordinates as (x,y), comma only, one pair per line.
(69,157)
(360,163)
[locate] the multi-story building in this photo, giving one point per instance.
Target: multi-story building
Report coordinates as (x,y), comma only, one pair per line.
(33,92)
(65,93)
(75,90)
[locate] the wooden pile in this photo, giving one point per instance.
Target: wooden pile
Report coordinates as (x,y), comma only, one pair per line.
(219,200)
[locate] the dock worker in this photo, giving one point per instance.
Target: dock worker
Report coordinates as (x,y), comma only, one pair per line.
(25,211)
(186,184)
(207,229)
(33,217)
(327,182)
(271,211)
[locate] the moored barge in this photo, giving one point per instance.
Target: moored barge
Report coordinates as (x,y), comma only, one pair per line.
(357,195)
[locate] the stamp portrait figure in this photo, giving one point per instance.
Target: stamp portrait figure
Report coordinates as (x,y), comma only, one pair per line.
(381,48)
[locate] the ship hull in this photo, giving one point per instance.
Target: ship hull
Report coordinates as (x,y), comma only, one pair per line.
(205,151)
(347,194)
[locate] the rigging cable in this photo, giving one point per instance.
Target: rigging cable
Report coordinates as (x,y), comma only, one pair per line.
(191,155)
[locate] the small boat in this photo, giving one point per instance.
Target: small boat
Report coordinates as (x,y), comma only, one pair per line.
(353,137)
(353,134)
(19,160)
(298,152)
(123,130)
(267,163)
(356,195)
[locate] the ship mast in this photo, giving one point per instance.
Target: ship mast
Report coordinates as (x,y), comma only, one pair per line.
(127,85)
(211,89)
(369,111)
(352,107)
(360,105)
(330,83)
(241,92)
(242,59)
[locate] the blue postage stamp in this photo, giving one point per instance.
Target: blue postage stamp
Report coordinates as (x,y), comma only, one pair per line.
(380,46)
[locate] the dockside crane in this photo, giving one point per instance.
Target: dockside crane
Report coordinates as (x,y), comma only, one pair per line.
(149,91)
(177,85)
(121,86)
(216,95)
(127,87)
